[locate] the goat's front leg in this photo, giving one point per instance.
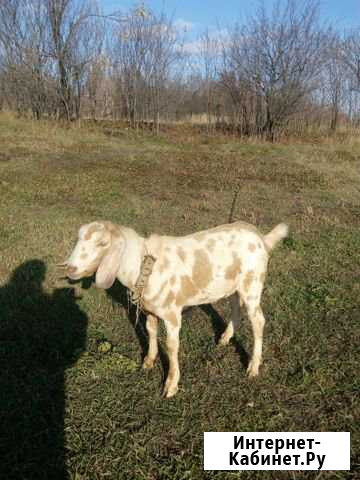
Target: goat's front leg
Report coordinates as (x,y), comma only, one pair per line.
(152,328)
(172,324)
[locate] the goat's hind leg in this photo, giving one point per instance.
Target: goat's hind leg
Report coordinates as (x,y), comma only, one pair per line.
(255,314)
(257,321)
(235,302)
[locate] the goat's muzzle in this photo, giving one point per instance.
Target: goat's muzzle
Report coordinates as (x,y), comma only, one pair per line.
(62,265)
(70,270)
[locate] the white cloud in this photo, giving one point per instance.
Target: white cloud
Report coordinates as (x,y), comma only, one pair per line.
(216,38)
(192,47)
(183,25)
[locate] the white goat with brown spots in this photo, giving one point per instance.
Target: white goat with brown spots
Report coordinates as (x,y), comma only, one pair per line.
(226,261)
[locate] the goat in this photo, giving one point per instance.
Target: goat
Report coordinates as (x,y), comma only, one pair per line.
(226,261)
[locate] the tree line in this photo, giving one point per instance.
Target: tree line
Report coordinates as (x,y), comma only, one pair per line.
(282,70)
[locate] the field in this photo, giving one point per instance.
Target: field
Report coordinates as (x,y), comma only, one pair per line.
(74,401)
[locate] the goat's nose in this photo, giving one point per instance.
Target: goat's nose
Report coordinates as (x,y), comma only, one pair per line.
(70,269)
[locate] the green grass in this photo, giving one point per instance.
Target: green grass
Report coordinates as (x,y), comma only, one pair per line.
(74,402)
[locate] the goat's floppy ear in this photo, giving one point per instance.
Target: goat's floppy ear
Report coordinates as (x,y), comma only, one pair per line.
(110,264)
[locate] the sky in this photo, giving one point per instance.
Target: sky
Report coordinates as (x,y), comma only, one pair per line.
(198,15)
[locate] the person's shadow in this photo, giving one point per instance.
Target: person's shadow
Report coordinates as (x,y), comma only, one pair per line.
(40,336)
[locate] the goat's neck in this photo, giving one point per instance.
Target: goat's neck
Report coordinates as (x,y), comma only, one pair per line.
(132,258)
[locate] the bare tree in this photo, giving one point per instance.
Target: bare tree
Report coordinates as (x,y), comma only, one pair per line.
(208,55)
(279,56)
(77,35)
(98,84)
(46,49)
(25,63)
(333,79)
(351,55)
(145,53)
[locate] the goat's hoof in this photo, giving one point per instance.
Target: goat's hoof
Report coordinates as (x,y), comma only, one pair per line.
(169,391)
(252,370)
(223,341)
(148,363)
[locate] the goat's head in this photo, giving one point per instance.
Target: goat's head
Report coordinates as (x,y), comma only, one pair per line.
(99,249)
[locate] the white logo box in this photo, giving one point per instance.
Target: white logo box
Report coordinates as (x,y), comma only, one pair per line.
(276,451)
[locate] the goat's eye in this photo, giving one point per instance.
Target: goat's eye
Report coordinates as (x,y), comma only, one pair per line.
(102,244)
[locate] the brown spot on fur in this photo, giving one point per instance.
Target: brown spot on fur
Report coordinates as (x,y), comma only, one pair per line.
(252,247)
(187,290)
(249,277)
(234,269)
(210,244)
(181,253)
(169,299)
(90,231)
(113,228)
(172,317)
(83,256)
(165,265)
(202,269)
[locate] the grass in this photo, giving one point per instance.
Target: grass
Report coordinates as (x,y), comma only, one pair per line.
(74,402)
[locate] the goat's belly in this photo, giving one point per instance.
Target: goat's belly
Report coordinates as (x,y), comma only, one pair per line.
(214,292)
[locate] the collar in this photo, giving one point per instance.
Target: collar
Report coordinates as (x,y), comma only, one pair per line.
(146,269)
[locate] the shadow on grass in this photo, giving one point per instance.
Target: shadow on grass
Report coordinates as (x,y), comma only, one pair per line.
(219,326)
(118,294)
(41,335)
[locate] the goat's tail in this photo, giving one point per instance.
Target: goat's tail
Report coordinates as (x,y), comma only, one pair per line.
(278,233)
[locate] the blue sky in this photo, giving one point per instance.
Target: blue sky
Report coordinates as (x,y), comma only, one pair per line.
(208,13)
